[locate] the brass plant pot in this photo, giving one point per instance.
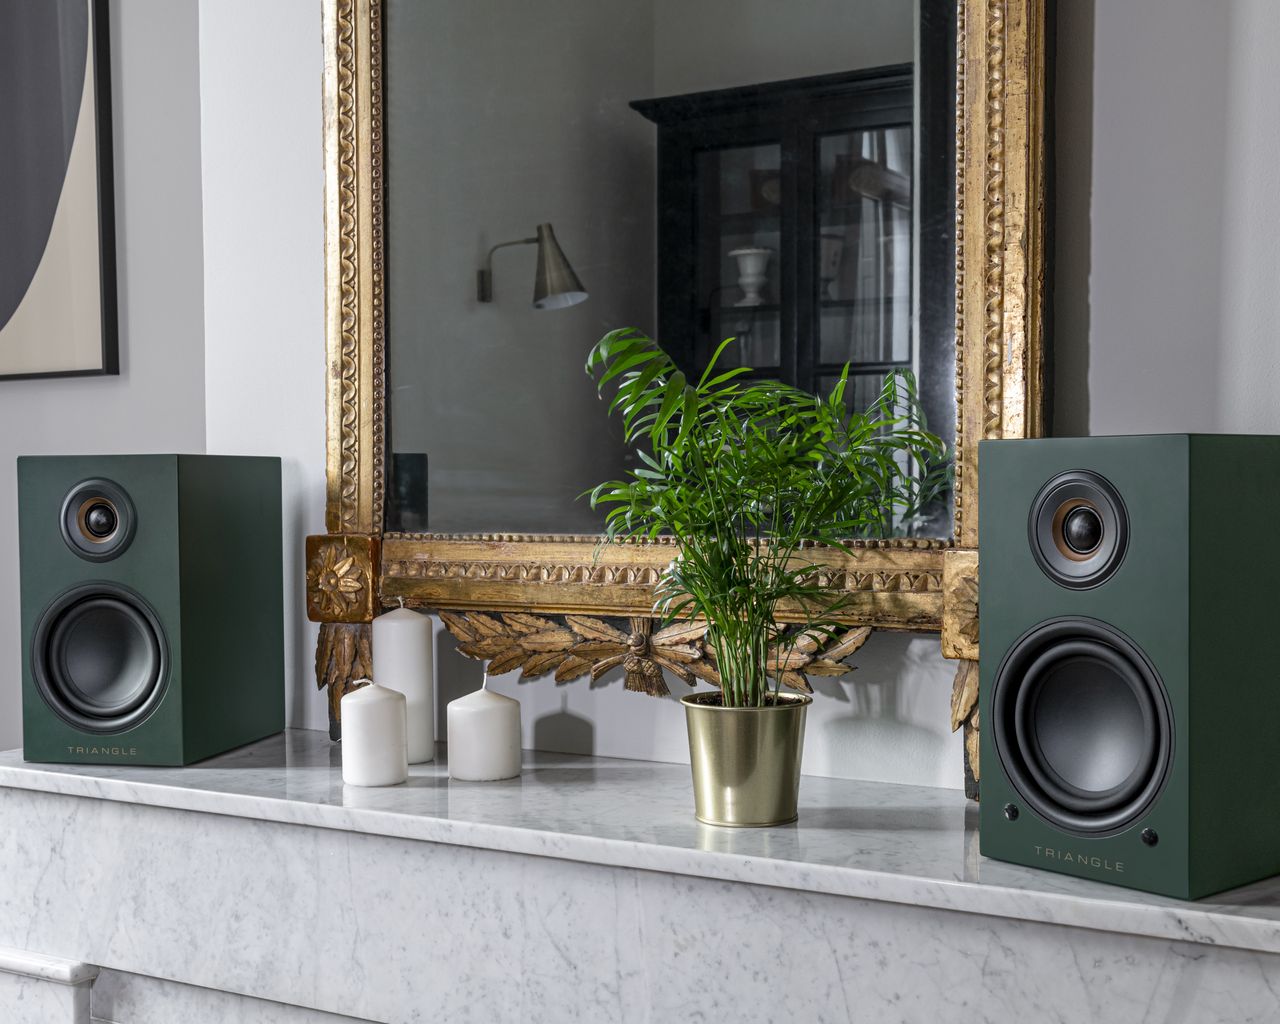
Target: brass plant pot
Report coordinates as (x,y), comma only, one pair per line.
(746,761)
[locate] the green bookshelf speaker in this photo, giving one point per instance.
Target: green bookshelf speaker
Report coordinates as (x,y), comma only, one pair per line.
(152,606)
(1129,693)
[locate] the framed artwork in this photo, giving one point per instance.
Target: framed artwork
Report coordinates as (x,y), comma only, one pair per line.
(57,260)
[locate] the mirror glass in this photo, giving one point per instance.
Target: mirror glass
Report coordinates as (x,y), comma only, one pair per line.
(699,169)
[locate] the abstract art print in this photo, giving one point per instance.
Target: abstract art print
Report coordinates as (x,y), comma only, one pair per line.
(57,240)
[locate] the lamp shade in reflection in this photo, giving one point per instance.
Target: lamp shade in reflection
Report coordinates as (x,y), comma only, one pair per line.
(555,285)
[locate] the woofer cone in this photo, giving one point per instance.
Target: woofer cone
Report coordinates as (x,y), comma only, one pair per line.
(1082,725)
(99,658)
(1078,529)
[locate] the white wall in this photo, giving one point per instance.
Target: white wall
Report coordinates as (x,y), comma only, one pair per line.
(1248,379)
(260,125)
(1168,217)
(157,402)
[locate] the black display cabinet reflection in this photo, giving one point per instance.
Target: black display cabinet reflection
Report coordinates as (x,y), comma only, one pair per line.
(784,220)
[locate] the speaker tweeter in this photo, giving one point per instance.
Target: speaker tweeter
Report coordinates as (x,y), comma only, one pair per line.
(1078,529)
(98,520)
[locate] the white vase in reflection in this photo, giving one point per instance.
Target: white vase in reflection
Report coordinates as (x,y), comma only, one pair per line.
(752,267)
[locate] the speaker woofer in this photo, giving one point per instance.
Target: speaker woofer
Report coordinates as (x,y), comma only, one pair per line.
(1082,725)
(1078,529)
(99,658)
(98,520)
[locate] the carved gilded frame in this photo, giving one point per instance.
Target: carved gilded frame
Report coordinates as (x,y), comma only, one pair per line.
(355,568)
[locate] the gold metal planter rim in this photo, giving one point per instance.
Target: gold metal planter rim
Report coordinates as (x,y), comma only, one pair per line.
(787,701)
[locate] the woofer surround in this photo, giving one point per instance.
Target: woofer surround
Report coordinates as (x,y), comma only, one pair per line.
(1078,529)
(99,658)
(1082,725)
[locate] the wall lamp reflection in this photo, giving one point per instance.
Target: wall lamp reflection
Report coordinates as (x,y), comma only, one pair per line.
(555,285)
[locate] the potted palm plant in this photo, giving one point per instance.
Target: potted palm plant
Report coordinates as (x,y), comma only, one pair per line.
(747,475)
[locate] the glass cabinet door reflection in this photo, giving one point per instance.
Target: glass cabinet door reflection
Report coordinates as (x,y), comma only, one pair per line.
(863,253)
(740,200)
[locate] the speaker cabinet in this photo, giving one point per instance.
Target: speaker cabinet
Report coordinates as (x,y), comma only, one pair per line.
(152,606)
(1129,695)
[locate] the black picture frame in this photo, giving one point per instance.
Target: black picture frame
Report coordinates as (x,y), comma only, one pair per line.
(99,44)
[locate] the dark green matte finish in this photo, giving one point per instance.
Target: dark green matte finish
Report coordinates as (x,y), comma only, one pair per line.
(1196,593)
(207,556)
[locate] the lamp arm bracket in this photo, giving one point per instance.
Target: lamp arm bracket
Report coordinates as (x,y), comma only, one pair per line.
(484,276)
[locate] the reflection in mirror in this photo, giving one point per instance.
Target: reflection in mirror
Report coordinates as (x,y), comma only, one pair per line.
(778,173)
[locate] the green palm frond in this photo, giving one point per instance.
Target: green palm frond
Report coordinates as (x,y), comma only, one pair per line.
(743,473)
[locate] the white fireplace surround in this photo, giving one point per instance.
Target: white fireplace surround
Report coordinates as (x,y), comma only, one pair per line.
(256,886)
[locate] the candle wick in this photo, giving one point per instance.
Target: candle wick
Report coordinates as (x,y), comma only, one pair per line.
(401,602)
(485,685)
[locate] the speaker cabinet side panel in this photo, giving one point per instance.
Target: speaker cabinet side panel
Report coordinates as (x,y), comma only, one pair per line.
(148,567)
(1236,690)
(233,601)
(1145,599)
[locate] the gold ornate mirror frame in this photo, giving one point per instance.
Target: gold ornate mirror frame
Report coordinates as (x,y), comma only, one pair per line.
(355,568)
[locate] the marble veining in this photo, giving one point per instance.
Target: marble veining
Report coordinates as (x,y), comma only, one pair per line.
(32,1000)
(897,844)
(121,998)
(237,910)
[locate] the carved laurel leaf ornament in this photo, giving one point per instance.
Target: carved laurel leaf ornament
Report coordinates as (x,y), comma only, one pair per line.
(581,645)
(343,655)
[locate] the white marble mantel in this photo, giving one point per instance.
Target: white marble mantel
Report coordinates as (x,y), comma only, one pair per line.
(584,890)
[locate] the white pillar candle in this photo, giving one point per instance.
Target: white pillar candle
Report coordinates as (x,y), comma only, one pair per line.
(402,661)
(374,743)
(484,736)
